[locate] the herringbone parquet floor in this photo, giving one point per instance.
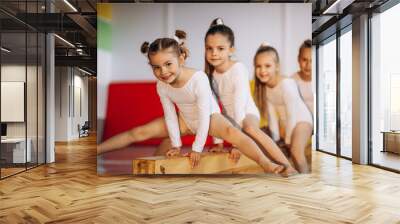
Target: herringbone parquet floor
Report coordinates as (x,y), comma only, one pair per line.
(70,191)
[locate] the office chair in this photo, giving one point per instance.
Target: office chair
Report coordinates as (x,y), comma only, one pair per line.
(84,130)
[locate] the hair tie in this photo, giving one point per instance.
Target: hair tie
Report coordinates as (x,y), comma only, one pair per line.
(264,44)
(219,21)
(176,38)
(180,41)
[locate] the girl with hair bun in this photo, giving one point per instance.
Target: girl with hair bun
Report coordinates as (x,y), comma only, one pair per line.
(303,76)
(229,82)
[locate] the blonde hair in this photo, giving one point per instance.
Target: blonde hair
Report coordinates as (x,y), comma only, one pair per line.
(260,93)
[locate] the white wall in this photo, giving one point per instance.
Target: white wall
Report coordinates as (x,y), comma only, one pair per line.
(33,127)
(61,103)
(80,84)
(17,73)
(68,82)
(284,26)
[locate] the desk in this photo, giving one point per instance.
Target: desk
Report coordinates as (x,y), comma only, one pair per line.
(16,147)
(391,141)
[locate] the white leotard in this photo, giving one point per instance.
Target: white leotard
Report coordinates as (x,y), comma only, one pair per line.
(305,91)
(195,103)
(233,89)
(285,106)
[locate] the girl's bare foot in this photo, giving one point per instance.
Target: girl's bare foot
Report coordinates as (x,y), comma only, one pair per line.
(173,152)
(289,171)
(273,168)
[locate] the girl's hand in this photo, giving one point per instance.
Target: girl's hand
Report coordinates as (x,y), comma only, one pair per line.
(234,155)
(217,148)
(194,158)
(173,152)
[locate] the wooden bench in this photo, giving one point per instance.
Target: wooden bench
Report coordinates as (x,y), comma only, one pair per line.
(210,163)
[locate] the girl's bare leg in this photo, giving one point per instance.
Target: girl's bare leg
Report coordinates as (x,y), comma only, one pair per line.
(300,136)
(154,129)
(220,127)
(251,127)
(166,144)
(163,148)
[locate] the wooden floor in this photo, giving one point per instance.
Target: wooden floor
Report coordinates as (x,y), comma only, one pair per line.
(387,159)
(70,191)
(10,171)
(5,172)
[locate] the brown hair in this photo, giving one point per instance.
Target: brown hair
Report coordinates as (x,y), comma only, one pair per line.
(260,94)
(166,43)
(217,26)
(306,44)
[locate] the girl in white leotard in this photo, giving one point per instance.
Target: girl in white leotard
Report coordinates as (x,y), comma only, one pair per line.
(230,83)
(279,98)
(303,76)
(198,111)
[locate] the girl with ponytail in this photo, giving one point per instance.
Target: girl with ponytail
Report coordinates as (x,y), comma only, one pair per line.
(278,98)
(230,83)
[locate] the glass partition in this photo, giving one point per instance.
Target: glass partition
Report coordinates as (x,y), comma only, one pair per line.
(22,88)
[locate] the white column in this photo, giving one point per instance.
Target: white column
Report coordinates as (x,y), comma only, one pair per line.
(50,99)
(360,90)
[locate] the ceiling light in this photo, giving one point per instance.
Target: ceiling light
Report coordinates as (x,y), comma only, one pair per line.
(84,71)
(64,40)
(331,7)
(5,49)
(70,5)
(337,7)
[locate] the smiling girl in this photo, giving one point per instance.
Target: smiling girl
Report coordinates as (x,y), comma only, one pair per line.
(230,83)
(278,97)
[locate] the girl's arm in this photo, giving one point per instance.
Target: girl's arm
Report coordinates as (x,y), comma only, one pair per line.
(241,92)
(171,119)
(203,94)
(273,121)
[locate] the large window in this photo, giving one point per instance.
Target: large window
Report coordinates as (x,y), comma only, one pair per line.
(385,89)
(327,96)
(335,74)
